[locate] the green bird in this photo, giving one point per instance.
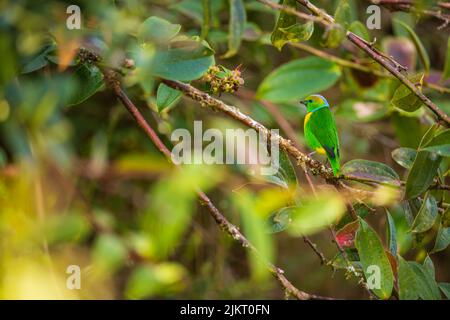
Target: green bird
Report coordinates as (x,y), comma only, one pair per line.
(320,130)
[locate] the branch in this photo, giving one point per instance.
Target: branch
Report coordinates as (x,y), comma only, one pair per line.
(207,101)
(403,5)
(382,60)
(220,219)
(315,166)
(358,66)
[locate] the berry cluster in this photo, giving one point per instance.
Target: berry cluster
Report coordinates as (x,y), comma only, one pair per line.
(221,79)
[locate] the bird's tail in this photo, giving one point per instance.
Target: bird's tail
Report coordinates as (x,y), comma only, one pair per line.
(335,165)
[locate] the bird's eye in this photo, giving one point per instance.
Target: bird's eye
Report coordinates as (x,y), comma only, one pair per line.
(310,101)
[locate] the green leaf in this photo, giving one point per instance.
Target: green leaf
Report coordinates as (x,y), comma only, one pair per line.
(423,55)
(297,79)
(440,144)
(445,218)
(296,33)
(255,228)
(442,239)
(280,220)
(407,284)
(206,7)
(392,234)
(149,280)
(429,266)
(335,34)
(427,286)
(157,30)
(360,30)
(238,18)
(184,61)
(428,136)
(89,80)
(166,97)
(39,60)
(285,20)
(109,253)
(446,72)
(422,173)
(343,14)
(411,208)
(315,214)
(426,216)
(404,157)
(285,176)
(71,227)
(405,99)
(371,253)
(445,288)
(373,170)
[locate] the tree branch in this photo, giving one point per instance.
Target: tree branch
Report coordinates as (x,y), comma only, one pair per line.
(381,59)
(220,219)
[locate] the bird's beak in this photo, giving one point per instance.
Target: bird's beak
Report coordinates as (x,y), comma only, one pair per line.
(303,102)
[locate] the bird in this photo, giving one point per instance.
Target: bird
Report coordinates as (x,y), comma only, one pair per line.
(320,130)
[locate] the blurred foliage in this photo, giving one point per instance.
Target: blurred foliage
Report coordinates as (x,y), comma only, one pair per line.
(81,185)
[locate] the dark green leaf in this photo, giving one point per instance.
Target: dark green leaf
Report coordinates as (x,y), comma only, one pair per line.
(297,79)
(428,136)
(407,283)
(238,18)
(372,170)
(280,220)
(185,61)
(157,30)
(404,157)
(427,286)
(166,97)
(426,216)
(371,253)
(285,176)
(442,239)
(39,60)
(392,234)
(445,288)
(424,58)
(440,144)
(422,173)
(429,266)
(89,80)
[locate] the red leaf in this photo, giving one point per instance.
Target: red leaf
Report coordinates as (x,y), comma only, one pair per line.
(346,236)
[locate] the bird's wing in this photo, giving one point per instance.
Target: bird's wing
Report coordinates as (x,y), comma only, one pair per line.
(323,127)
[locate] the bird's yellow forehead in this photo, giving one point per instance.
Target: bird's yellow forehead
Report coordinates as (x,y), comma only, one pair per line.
(316,98)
